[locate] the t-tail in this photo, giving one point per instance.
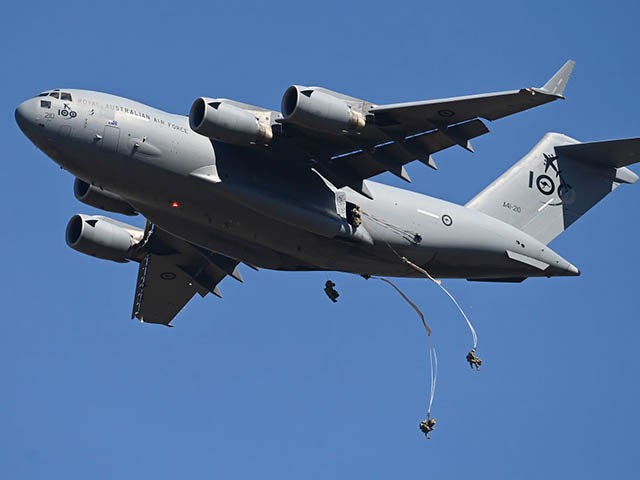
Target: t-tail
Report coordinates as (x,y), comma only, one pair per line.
(557,182)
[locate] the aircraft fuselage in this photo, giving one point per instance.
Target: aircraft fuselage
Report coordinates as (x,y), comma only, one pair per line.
(261,210)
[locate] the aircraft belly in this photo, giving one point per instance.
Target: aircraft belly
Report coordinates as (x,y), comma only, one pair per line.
(240,233)
(221,225)
(310,252)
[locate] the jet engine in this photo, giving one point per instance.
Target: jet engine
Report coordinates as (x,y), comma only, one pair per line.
(320,109)
(230,122)
(102,199)
(102,237)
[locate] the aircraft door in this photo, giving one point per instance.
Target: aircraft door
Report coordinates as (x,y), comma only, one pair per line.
(110,139)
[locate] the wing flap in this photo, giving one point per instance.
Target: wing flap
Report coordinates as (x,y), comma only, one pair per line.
(393,156)
(162,290)
(172,272)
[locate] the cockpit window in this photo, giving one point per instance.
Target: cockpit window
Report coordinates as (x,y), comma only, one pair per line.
(65,96)
(55,94)
(43,94)
(45,104)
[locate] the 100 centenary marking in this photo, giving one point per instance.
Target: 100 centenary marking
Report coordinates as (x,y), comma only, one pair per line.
(68,113)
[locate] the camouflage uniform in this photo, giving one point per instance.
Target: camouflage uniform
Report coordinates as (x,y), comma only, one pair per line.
(330,291)
(473,359)
(354,217)
(427,426)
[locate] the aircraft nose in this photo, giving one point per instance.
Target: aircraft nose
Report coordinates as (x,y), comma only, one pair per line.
(24,114)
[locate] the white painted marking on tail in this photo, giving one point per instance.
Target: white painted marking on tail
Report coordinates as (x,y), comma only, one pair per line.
(545,205)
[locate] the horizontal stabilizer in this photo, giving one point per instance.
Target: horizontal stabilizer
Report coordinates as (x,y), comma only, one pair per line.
(610,153)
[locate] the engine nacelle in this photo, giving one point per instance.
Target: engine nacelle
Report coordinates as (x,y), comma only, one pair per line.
(102,199)
(318,109)
(102,237)
(230,122)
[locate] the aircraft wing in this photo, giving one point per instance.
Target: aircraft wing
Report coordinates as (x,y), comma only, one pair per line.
(397,134)
(491,106)
(351,168)
(171,272)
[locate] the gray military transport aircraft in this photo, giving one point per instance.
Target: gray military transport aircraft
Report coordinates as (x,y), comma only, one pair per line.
(287,190)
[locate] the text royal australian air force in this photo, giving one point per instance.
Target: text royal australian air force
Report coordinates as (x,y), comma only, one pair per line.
(111,106)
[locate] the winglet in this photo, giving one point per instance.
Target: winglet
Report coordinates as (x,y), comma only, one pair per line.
(557,83)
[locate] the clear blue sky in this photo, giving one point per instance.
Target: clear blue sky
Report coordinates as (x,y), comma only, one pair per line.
(274,381)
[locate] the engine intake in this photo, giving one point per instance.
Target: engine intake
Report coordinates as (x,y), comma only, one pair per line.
(102,199)
(102,237)
(230,122)
(318,109)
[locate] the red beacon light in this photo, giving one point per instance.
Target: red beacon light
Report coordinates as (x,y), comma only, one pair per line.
(175,204)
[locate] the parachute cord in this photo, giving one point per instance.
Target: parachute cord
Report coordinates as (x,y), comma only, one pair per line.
(433,357)
(473,331)
(439,283)
(406,234)
(408,300)
(433,370)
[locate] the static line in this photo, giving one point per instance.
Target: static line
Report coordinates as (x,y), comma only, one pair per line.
(473,331)
(408,300)
(433,357)
(439,283)
(433,362)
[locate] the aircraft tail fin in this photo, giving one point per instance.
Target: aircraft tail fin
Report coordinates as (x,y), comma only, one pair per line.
(558,181)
